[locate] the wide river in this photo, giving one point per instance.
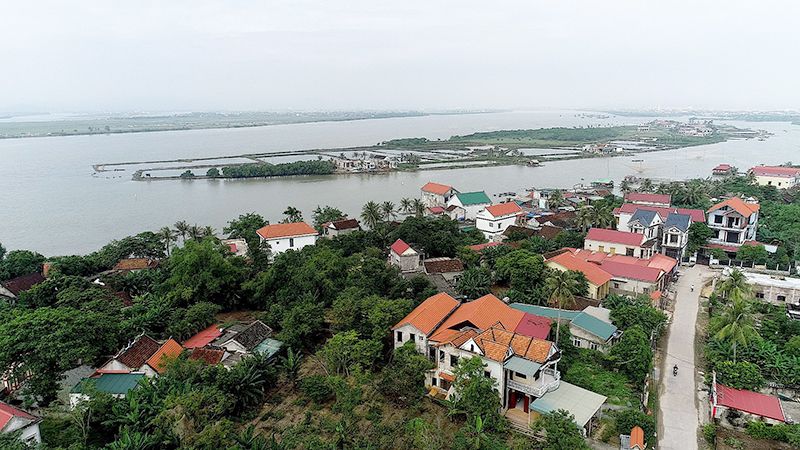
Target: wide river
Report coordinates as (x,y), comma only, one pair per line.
(51,203)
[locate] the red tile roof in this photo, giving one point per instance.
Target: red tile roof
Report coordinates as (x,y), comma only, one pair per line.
(632,271)
(775,171)
(400,247)
(210,356)
(430,313)
(436,188)
(652,198)
(628,266)
(480,247)
(737,205)
(593,272)
(615,236)
(534,326)
(503,209)
(630,208)
(7,412)
(436,209)
(482,314)
(285,230)
(751,402)
(135,355)
(204,337)
(345,224)
(22,284)
(443,265)
(136,264)
(656,295)
(697,215)
(167,352)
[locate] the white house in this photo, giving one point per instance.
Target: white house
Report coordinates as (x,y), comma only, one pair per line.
(243,338)
(675,236)
(472,202)
(16,420)
(494,220)
(435,194)
(733,222)
(288,236)
(116,384)
(340,227)
(403,256)
(645,222)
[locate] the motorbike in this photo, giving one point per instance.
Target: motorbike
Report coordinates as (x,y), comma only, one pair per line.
(675,370)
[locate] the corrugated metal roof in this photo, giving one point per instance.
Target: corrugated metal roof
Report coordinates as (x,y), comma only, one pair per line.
(522,365)
(594,325)
(581,403)
(473,198)
(113,383)
(544,311)
(268,347)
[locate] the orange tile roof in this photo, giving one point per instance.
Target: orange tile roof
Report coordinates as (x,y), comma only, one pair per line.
(170,349)
(482,314)
(204,337)
(637,438)
(495,351)
(737,205)
(523,346)
(459,338)
(503,209)
(436,188)
(593,272)
(280,230)
(135,264)
(447,377)
(430,313)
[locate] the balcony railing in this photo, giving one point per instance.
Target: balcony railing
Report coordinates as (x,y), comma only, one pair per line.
(548,381)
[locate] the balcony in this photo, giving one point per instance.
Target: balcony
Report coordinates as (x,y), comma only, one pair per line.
(548,381)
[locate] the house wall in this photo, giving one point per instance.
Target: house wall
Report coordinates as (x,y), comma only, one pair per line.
(148,371)
(679,246)
(433,199)
(332,232)
(420,338)
(778,182)
(492,226)
(406,263)
(116,365)
(470,211)
(75,398)
(29,429)
(585,338)
(614,248)
(494,368)
(595,292)
(771,293)
(233,346)
(626,286)
(280,245)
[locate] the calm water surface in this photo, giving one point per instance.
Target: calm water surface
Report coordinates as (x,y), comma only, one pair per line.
(52,204)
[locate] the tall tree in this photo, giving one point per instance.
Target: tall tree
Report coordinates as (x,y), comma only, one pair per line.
(182,227)
(560,285)
(293,215)
(646,186)
(389,210)
(735,325)
(418,207)
(735,286)
(405,207)
(245,227)
(371,214)
(556,199)
(168,236)
(325,214)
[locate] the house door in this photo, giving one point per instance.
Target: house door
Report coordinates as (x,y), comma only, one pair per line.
(525,404)
(512,400)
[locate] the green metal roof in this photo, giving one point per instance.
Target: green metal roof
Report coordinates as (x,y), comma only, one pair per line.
(578,401)
(544,311)
(268,347)
(594,325)
(113,383)
(473,198)
(522,365)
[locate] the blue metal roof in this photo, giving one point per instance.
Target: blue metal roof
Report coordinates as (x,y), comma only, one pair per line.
(644,216)
(593,325)
(679,221)
(522,365)
(544,311)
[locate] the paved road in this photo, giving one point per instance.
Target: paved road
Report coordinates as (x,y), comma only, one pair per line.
(679,414)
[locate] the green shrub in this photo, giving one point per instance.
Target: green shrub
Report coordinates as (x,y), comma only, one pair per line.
(740,375)
(316,388)
(630,418)
(710,433)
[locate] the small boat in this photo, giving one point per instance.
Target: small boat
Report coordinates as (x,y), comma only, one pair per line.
(603,184)
(637,160)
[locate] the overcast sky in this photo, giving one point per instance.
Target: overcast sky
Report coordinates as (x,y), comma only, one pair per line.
(407,54)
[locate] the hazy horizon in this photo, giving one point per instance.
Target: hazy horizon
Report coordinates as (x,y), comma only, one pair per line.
(432,56)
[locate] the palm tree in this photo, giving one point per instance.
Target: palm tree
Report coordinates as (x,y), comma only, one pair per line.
(625,187)
(646,185)
(417,207)
(293,215)
(167,236)
(371,214)
(209,232)
(735,286)
(585,217)
(556,199)
(694,195)
(603,217)
(405,205)
(560,284)
(735,325)
(182,228)
(389,210)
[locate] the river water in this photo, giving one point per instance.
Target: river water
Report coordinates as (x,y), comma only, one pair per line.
(51,202)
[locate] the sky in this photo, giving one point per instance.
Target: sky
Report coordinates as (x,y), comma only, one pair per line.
(202,55)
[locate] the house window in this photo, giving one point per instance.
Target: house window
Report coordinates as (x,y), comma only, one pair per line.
(412,337)
(717,219)
(781,298)
(613,250)
(760,295)
(519,375)
(593,345)
(453,360)
(491,225)
(487,374)
(441,355)
(433,381)
(576,342)
(602,248)
(629,251)
(472,348)
(399,336)
(616,285)
(291,242)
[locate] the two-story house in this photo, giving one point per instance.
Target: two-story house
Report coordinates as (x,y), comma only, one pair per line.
(493,220)
(471,202)
(675,236)
(403,256)
(598,278)
(637,245)
(287,236)
(646,222)
(733,222)
(435,194)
